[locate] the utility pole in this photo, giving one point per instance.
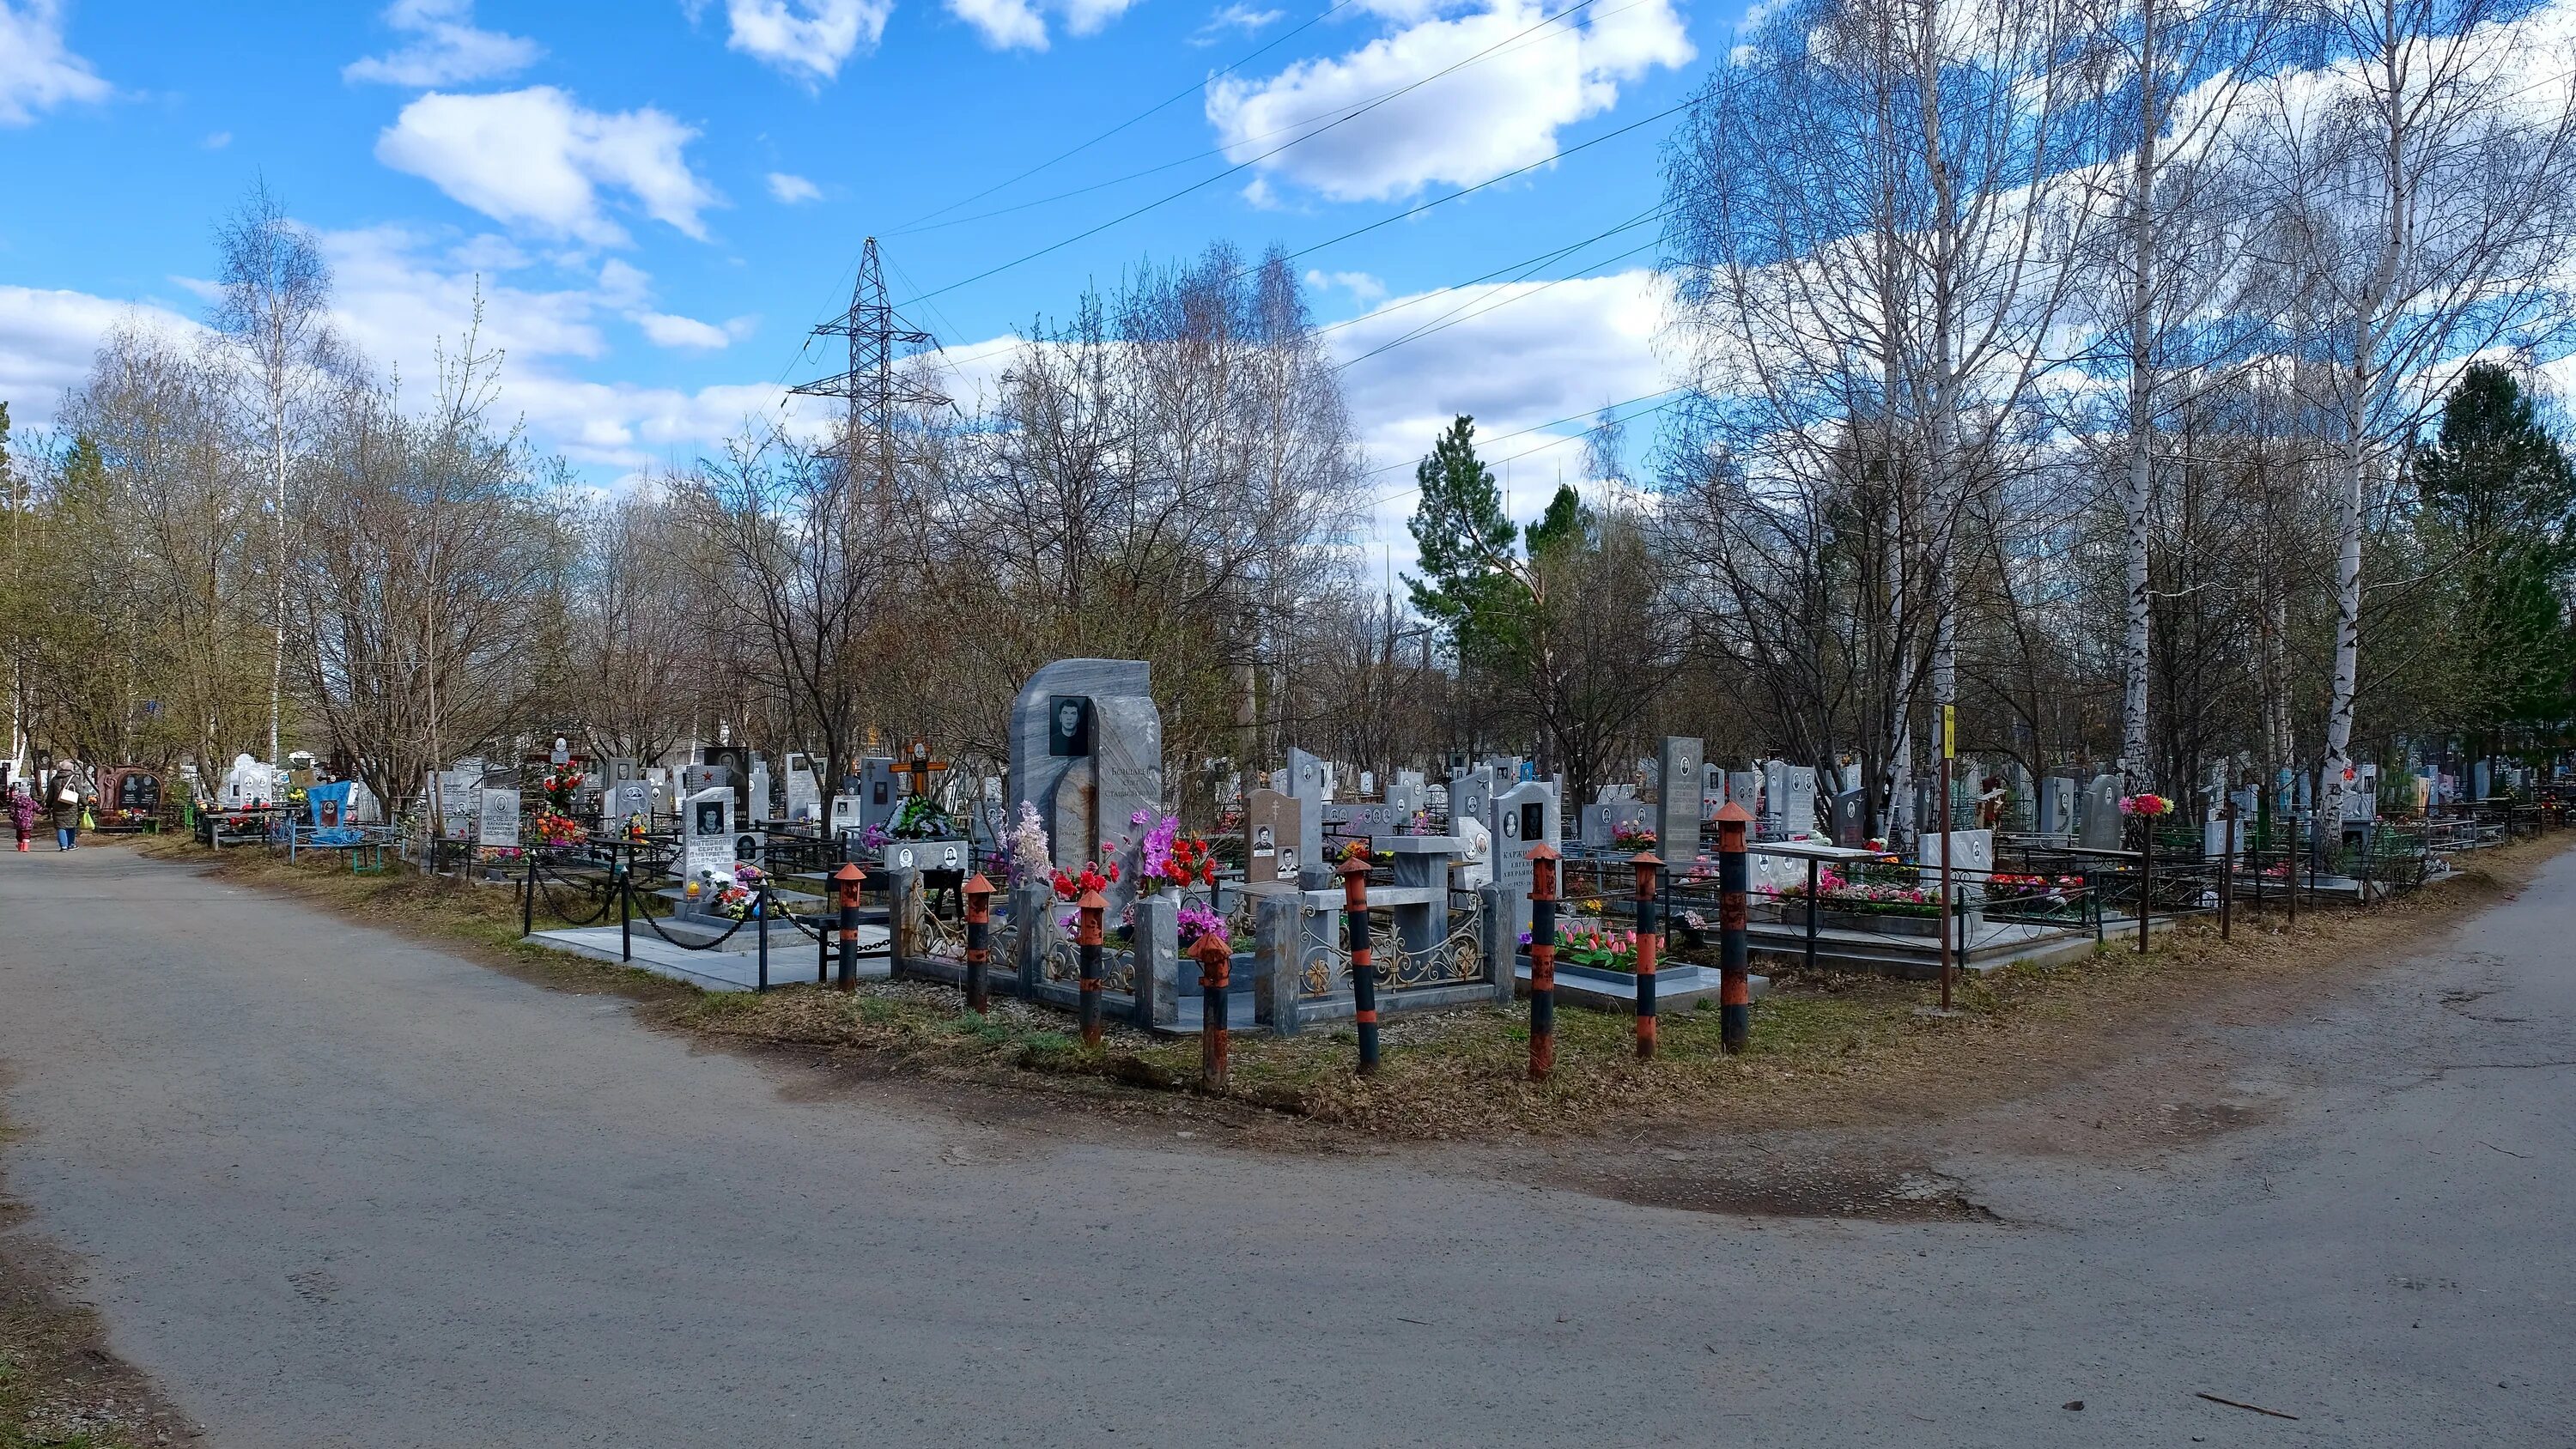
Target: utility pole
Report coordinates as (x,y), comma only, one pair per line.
(870,387)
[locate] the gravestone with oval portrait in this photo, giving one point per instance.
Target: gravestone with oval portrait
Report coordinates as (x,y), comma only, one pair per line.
(1270,829)
(497,819)
(1524,816)
(708,840)
(1310,784)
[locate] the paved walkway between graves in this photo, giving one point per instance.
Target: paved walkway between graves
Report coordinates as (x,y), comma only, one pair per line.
(336,1188)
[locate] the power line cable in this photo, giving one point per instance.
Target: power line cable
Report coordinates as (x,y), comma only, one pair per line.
(1241,166)
(911,228)
(1524,265)
(1168,101)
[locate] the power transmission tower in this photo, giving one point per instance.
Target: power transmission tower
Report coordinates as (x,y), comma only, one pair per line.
(871,388)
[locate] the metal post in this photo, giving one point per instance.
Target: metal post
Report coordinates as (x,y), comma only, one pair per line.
(1946,961)
(1355,928)
(1543,858)
(1216,957)
(2227,871)
(527,897)
(760,903)
(1815,909)
(1087,940)
(2147,882)
(979,938)
(625,868)
(845,885)
(1734,959)
(2093,891)
(2290,870)
(1649,936)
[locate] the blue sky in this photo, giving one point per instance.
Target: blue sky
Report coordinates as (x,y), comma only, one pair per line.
(658,197)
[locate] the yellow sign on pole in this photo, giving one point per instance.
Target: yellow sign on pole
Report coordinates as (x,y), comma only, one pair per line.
(1949,732)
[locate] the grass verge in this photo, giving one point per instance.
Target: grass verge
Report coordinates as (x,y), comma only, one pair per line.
(60,1387)
(1827,1050)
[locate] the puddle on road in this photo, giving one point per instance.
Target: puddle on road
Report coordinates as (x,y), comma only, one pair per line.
(1822,1191)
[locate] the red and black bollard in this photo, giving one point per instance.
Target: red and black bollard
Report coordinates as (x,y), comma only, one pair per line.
(1087,950)
(1216,958)
(979,934)
(845,883)
(1734,959)
(1543,858)
(1650,935)
(1355,918)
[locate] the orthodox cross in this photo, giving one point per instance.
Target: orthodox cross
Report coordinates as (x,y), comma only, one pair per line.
(921,766)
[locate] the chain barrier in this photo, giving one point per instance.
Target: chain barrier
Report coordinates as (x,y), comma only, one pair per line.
(646,916)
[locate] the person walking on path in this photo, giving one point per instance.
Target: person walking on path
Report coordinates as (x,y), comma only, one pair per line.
(22,813)
(67,794)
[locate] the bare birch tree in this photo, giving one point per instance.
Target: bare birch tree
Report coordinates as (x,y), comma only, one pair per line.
(2429,166)
(274,312)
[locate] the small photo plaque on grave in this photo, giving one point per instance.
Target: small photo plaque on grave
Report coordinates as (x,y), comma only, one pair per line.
(1069,726)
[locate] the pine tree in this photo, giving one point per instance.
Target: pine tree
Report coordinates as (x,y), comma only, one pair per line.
(2500,492)
(1469,586)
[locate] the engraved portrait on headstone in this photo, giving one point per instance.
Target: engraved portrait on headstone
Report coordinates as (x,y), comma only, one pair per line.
(1069,731)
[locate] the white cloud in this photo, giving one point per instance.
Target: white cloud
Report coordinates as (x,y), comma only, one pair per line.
(666,330)
(447,48)
(535,158)
(1518,355)
(401,294)
(1362,287)
(218,140)
(1498,112)
(792,189)
(1234,19)
(36,72)
(47,339)
(1513,356)
(807,39)
(1021,24)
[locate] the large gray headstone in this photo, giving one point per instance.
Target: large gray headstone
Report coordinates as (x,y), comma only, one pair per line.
(1744,787)
(1798,801)
(1404,796)
(497,818)
(2102,826)
(1851,818)
(804,792)
(1087,778)
(624,799)
(1310,784)
(1678,798)
(756,799)
(2056,807)
(1471,797)
(878,796)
